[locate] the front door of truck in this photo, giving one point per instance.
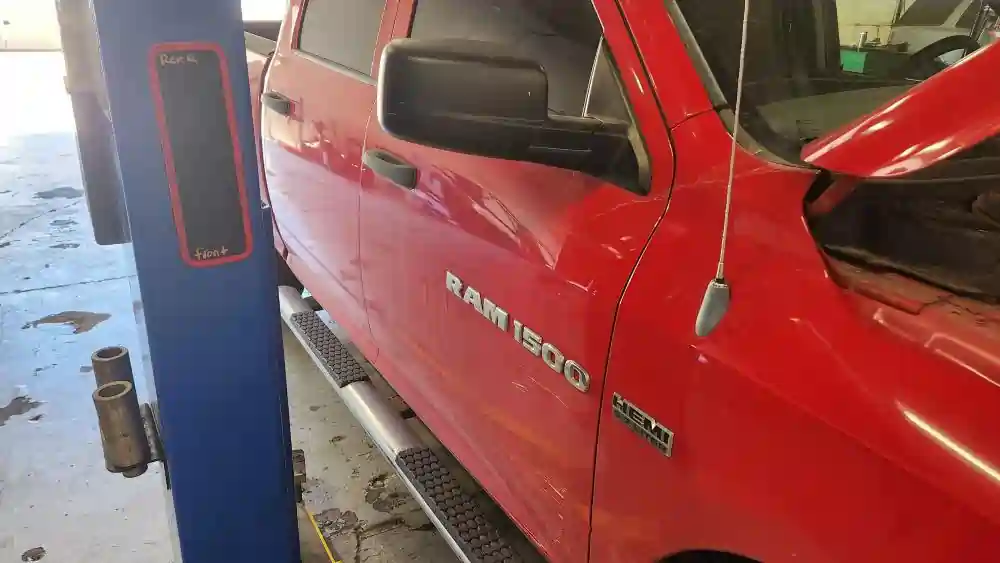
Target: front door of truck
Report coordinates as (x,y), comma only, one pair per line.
(492,285)
(318,97)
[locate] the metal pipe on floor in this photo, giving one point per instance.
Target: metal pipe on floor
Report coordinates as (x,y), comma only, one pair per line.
(126,447)
(112,364)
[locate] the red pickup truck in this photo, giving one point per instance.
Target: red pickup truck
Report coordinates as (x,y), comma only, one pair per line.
(513,208)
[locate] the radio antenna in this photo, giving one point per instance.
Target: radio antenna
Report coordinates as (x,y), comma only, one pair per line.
(718,295)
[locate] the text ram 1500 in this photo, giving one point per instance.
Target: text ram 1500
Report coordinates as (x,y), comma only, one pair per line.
(513,207)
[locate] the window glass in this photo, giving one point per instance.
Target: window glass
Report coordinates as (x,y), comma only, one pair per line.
(605,98)
(562,35)
(813,66)
(342,31)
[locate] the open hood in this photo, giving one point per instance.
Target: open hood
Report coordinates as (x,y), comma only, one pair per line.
(950,112)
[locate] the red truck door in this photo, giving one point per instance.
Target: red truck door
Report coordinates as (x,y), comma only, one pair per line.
(492,285)
(318,97)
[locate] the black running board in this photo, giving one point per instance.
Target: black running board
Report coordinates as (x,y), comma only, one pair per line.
(459,518)
(461,514)
(337,361)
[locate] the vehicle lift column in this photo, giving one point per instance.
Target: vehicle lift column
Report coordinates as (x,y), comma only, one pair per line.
(177,151)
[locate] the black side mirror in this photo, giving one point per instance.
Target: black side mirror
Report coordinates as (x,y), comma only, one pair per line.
(475,98)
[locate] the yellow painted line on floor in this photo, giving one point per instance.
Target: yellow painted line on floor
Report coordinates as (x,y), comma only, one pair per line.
(326,547)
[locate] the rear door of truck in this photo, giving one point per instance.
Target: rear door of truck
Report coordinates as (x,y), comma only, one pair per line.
(318,97)
(262,39)
(553,248)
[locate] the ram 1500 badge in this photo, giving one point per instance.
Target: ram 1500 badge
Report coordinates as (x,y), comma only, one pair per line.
(531,340)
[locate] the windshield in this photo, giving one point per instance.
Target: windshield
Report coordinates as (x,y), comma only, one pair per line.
(813,66)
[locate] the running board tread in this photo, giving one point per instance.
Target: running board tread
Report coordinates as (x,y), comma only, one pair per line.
(461,515)
(340,364)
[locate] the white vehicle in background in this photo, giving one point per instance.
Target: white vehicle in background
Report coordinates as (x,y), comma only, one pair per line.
(914,23)
(882,38)
(925,22)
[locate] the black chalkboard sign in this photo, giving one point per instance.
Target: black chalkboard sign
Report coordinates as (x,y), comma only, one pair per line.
(201,150)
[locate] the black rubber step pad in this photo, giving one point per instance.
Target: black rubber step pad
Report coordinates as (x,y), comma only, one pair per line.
(460,513)
(340,364)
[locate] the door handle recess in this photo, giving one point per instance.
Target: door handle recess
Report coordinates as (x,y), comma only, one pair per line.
(277,102)
(391,167)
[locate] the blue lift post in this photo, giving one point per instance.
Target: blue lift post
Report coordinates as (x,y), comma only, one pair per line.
(212,329)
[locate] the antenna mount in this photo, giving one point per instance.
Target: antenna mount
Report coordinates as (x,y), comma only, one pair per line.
(715,305)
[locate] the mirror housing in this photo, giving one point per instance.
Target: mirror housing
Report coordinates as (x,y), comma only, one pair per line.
(475,97)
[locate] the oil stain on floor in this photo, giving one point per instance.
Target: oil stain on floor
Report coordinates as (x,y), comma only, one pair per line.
(17,407)
(33,554)
(376,496)
(81,321)
(336,521)
(62,192)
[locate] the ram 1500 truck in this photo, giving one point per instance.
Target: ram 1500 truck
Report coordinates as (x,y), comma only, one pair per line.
(513,208)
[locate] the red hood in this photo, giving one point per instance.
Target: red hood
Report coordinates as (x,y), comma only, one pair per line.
(952,111)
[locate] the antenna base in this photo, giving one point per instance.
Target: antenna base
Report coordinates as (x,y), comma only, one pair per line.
(713,308)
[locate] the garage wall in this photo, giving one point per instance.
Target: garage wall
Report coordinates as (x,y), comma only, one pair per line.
(28,25)
(263,10)
(873,16)
(931,18)
(33,25)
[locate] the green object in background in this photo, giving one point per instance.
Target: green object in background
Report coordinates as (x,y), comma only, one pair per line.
(853,61)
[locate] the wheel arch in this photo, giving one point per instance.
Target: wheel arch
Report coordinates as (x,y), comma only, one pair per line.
(706,556)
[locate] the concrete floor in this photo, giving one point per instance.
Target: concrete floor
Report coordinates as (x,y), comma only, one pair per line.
(62,297)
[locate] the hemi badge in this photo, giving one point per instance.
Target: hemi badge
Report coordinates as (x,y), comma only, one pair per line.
(644,425)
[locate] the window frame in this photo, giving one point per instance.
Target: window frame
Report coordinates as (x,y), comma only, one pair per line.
(723,108)
(643,162)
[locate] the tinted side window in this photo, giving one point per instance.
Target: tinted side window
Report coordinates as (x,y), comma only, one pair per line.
(342,31)
(561,35)
(605,97)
